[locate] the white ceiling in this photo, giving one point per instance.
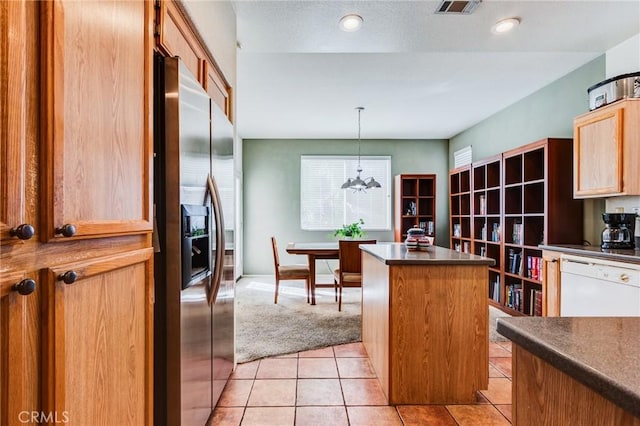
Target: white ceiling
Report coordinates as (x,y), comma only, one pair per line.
(419,75)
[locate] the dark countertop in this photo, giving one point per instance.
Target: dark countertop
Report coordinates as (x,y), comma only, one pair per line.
(630,255)
(601,353)
(397,254)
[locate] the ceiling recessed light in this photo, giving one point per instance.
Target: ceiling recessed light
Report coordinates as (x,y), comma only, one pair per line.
(505,25)
(350,23)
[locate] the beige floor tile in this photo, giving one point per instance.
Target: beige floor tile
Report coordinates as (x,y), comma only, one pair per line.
(499,391)
(497,351)
(273,393)
(317,353)
(236,393)
(350,350)
(363,392)
(269,416)
(355,368)
(474,415)
(425,415)
(321,416)
(504,365)
(494,372)
(246,370)
(278,368)
(506,411)
(226,416)
(317,368)
(506,345)
(319,392)
(369,416)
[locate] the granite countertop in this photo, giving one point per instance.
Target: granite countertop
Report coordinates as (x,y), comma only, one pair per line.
(629,255)
(601,353)
(397,254)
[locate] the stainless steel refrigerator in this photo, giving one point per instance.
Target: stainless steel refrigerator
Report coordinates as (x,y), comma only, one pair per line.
(194,318)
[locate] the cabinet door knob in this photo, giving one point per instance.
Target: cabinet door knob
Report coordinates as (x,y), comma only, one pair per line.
(68,277)
(25,287)
(67,230)
(24,231)
(624,278)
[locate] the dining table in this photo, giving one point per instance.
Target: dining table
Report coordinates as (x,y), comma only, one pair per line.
(315,251)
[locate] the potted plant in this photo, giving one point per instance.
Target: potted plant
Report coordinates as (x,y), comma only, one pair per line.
(353,230)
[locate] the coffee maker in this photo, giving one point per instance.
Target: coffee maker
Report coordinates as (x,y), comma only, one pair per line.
(619,230)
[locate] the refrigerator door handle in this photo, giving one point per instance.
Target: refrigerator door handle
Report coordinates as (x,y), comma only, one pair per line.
(219,258)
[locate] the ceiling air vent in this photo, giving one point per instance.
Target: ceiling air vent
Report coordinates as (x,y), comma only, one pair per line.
(457,7)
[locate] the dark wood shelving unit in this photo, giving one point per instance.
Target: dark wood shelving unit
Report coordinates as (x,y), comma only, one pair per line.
(415,204)
(460,209)
(487,216)
(520,199)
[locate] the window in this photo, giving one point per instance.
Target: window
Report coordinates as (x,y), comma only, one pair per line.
(326,206)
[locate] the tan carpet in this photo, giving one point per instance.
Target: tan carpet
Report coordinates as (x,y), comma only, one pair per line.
(265,329)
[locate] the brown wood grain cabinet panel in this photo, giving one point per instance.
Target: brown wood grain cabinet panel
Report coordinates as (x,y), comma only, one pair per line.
(176,40)
(607,150)
(18,354)
(551,284)
(596,139)
(97,106)
(178,36)
(544,395)
(18,56)
(425,329)
(375,318)
(98,340)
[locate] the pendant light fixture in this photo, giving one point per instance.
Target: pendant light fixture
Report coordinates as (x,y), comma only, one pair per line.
(358,184)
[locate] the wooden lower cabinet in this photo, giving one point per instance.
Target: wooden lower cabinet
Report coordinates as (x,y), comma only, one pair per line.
(97,340)
(544,395)
(551,283)
(18,351)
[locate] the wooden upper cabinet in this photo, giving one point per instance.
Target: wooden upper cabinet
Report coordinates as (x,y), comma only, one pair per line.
(176,39)
(177,36)
(217,89)
(607,151)
(13,69)
(97,105)
(97,340)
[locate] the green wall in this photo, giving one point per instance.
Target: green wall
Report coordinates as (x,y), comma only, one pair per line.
(549,112)
(271,169)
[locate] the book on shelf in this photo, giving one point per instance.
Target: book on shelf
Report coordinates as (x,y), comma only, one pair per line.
(495,233)
(514,296)
(495,289)
(535,302)
(515,262)
(534,267)
(517,233)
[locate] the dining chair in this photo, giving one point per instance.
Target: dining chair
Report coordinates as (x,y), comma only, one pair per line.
(349,272)
(289,272)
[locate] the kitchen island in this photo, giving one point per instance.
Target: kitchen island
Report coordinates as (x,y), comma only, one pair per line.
(578,371)
(425,323)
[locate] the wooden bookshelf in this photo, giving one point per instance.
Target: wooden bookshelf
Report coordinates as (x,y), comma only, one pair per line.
(519,199)
(460,209)
(415,204)
(487,216)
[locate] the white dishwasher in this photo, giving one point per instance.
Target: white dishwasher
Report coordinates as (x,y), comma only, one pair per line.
(596,287)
